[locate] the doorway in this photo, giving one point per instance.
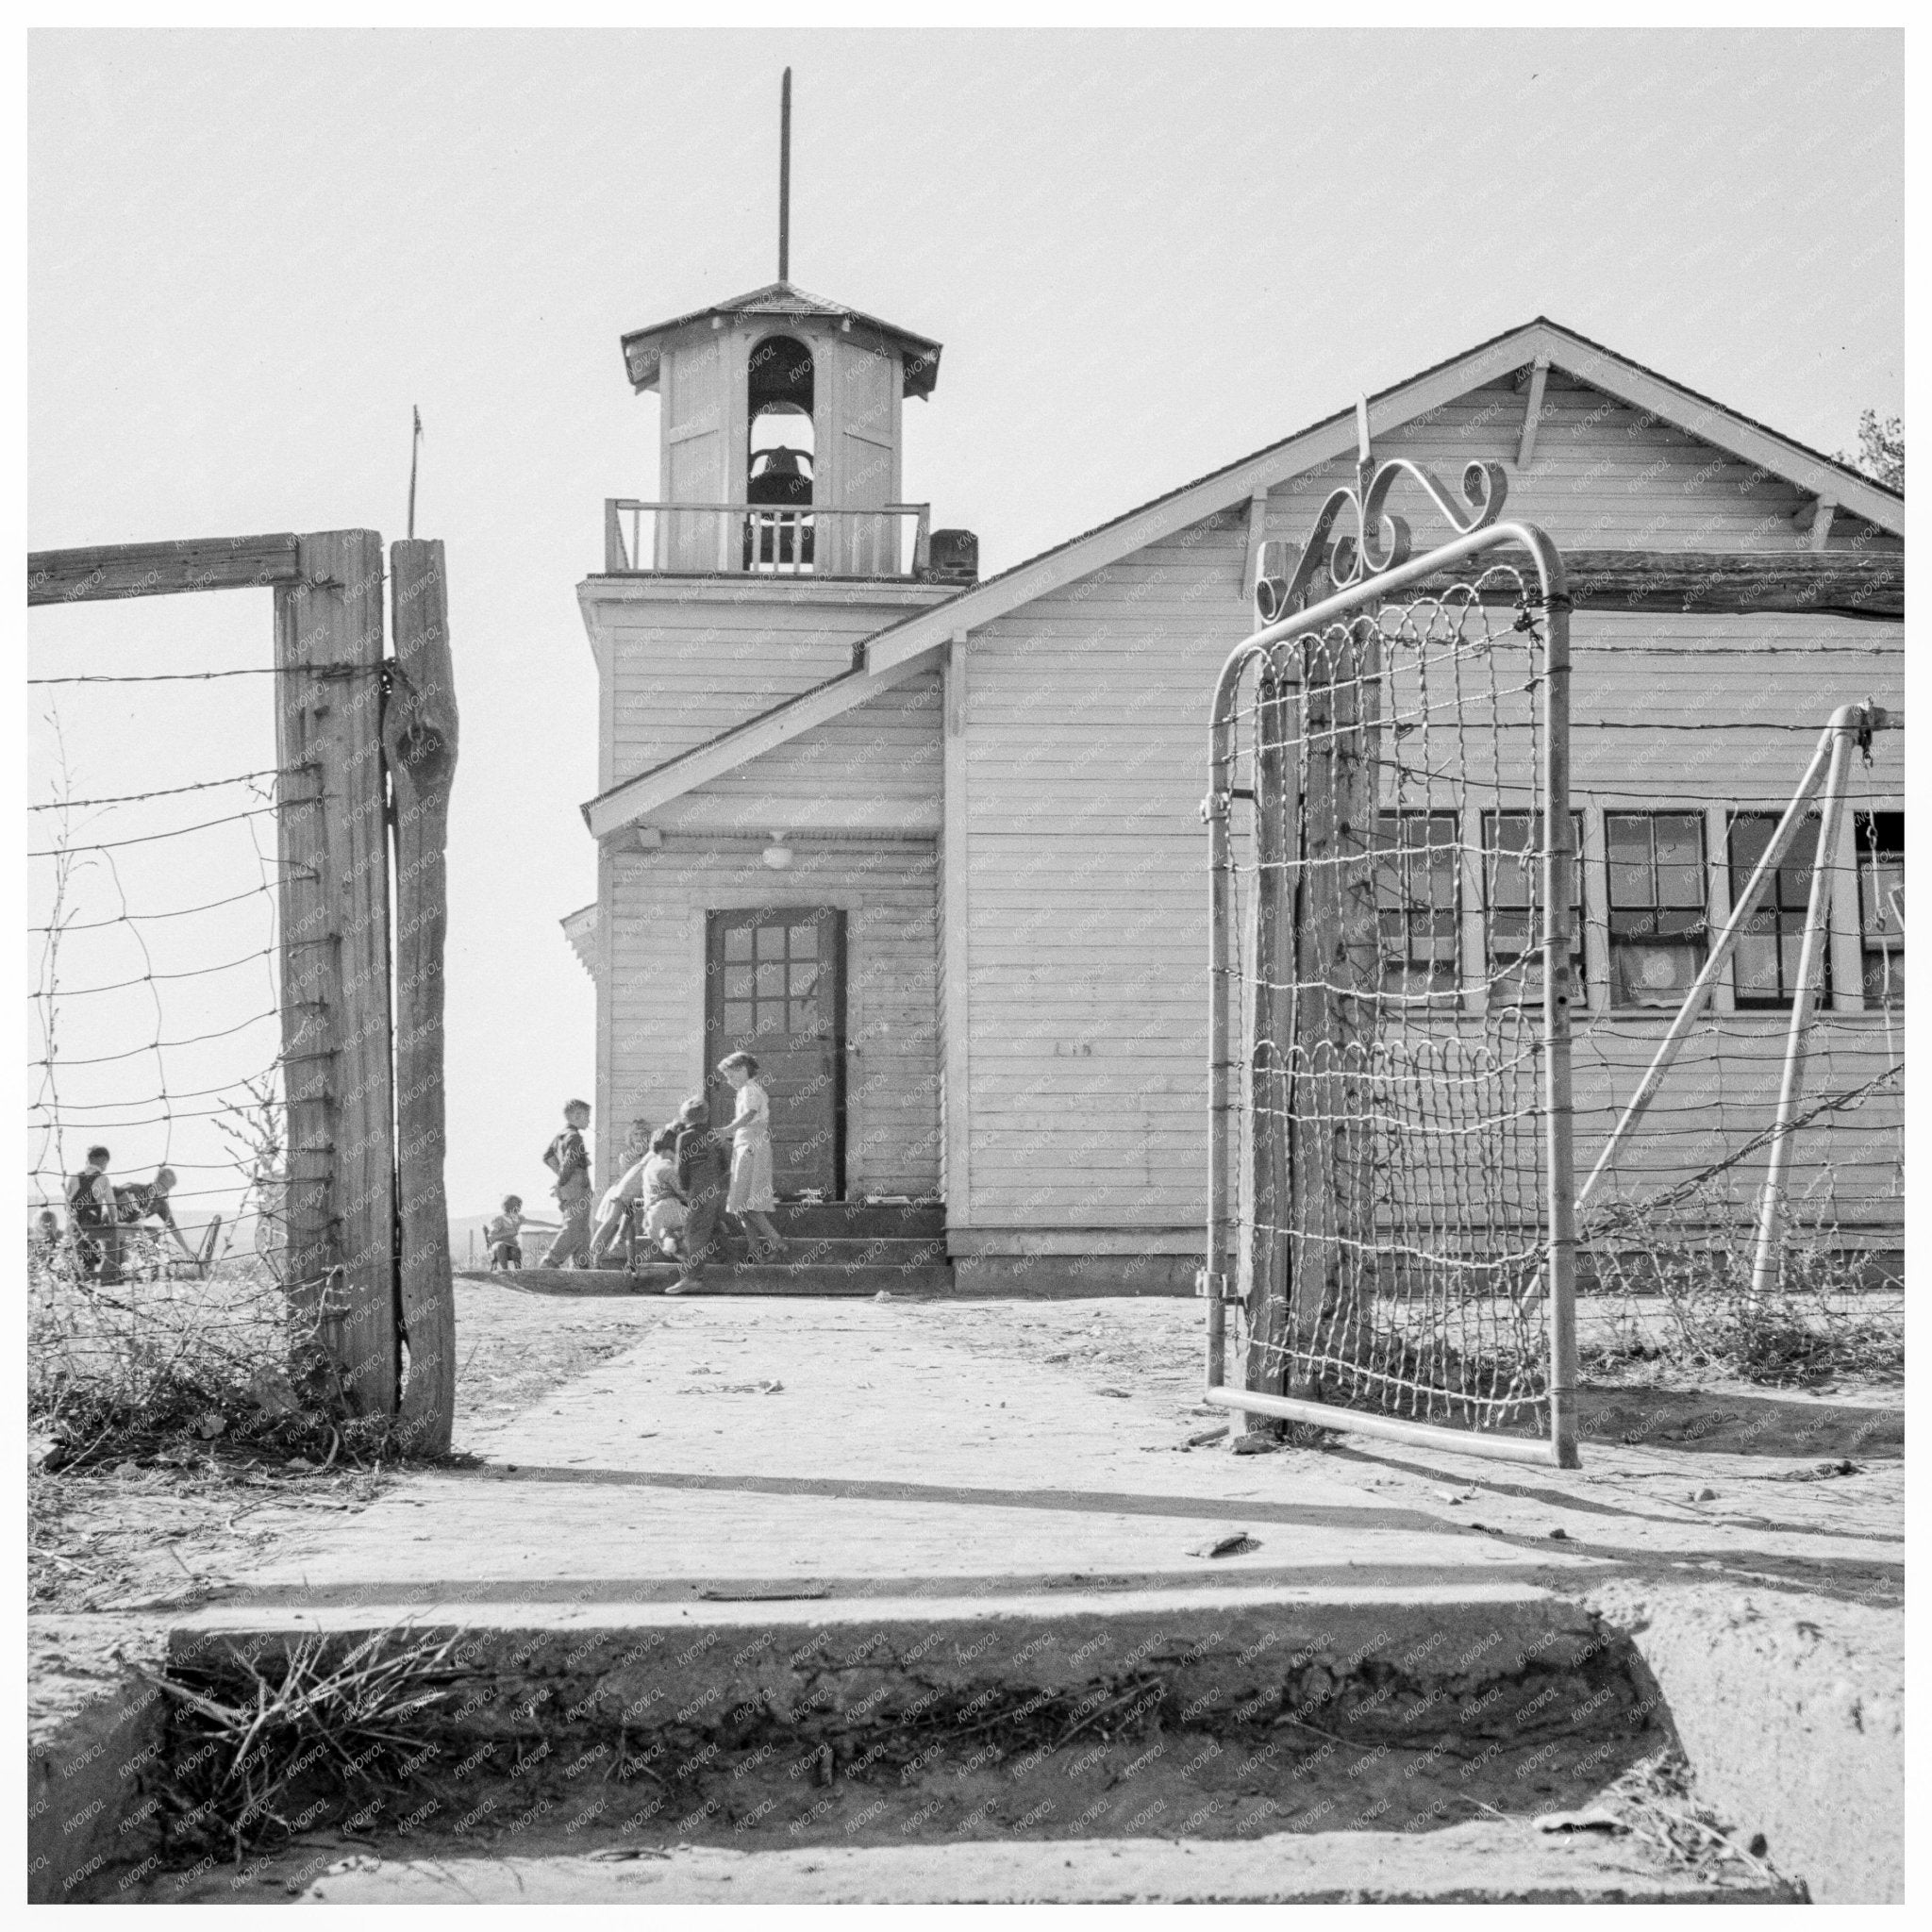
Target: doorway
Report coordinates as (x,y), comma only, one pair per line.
(774,987)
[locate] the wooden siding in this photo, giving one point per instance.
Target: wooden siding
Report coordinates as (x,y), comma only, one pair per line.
(654,992)
(1603,475)
(875,768)
(1086,855)
(683,663)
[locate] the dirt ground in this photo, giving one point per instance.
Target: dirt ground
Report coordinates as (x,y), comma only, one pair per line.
(112,1550)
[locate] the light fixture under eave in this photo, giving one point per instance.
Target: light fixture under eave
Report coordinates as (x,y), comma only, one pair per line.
(777,854)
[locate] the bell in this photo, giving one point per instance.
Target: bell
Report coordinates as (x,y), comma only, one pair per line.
(781,476)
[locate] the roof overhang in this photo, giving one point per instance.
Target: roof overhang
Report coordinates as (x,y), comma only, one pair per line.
(917,644)
(643,348)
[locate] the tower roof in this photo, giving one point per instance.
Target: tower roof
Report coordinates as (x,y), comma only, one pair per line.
(642,347)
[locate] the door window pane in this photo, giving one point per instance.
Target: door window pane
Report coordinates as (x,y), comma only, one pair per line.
(805,942)
(738,943)
(738,982)
(770,943)
(737,1017)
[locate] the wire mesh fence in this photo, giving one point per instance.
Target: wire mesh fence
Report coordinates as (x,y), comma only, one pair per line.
(1393,1226)
(157,1148)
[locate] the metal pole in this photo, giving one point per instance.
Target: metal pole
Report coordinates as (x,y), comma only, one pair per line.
(1216,808)
(1560,857)
(785,178)
(1764,1268)
(1720,958)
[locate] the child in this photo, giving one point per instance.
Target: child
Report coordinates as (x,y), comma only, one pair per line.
(148,1201)
(751,1199)
(95,1219)
(663,1205)
(44,1239)
(506,1250)
(702,1162)
(618,1203)
(565,1157)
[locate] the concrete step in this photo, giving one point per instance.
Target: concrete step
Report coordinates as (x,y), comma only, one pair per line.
(751,1746)
(909,1276)
(1505,1861)
(911,1219)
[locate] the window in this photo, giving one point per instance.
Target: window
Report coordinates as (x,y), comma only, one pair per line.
(771,979)
(1418,901)
(1881,839)
(1512,891)
(1656,905)
(1774,936)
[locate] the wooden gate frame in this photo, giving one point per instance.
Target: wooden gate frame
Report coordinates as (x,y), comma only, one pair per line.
(368,743)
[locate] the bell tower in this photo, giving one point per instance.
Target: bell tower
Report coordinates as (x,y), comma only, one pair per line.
(779,438)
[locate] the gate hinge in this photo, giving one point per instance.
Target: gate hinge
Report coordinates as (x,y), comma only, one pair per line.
(1216,1288)
(1217,804)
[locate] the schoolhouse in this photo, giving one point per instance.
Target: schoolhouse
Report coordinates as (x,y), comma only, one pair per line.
(931,846)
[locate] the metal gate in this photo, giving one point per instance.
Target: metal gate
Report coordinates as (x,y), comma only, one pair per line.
(1392,861)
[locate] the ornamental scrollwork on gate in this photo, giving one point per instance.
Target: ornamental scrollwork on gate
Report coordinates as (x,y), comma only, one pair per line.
(1370,542)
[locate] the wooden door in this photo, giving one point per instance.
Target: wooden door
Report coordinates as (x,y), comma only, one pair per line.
(774,985)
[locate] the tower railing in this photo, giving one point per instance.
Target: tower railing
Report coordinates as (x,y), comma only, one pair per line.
(765,540)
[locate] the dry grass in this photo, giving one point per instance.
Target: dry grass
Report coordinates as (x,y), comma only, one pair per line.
(259,1751)
(1677,1278)
(154,1361)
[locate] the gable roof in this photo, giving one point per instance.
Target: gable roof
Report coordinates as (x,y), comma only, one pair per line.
(909,646)
(642,347)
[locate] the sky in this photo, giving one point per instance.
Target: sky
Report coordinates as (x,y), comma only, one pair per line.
(1146,255)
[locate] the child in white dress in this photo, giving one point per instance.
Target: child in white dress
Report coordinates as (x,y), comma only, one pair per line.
(751,1199)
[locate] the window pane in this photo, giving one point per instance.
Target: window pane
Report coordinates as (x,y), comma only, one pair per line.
(737,1017)
(804,1016)
(1882,899)
(1794,874)
(1627,834)
(1652,976)
(804,980)
(805,942)
(1756,957)
(738,943)
(738,982)
(1750,834)
(771,979)
(770,943)
(1679,859)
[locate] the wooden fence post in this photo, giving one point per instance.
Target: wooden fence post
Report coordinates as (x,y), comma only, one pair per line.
(1335,947)
(332,841)
(419,739)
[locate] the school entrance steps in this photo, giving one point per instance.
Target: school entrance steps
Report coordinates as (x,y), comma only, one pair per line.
(855,1600)
(844,1248)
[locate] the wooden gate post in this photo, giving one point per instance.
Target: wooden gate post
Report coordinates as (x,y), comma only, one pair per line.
(419,739)
(1335,948)
(332,841)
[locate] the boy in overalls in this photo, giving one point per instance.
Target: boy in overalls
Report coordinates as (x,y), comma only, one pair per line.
(704,1178)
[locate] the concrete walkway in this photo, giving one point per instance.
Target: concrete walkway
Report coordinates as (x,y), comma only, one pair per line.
(816,1451)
